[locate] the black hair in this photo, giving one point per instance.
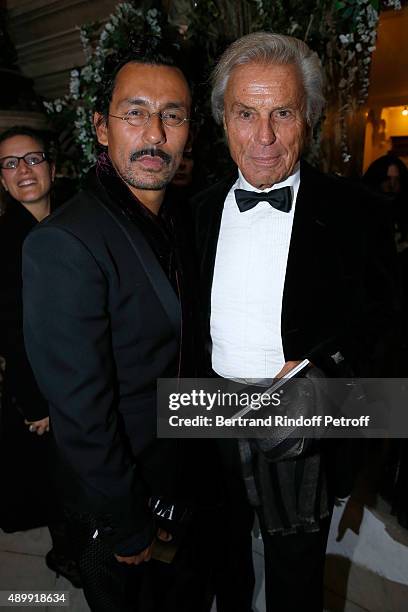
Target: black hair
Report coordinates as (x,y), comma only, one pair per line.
(377,171)
(143,50)
(23,130)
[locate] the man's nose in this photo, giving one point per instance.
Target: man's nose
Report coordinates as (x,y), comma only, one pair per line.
(266,131)
(154,130)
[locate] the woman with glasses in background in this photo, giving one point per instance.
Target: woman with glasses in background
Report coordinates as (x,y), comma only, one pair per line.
(28,500)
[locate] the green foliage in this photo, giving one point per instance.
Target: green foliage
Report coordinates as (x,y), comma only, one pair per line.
(127,23)
(342,32)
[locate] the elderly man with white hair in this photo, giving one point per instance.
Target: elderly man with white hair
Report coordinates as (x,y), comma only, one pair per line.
(294,265)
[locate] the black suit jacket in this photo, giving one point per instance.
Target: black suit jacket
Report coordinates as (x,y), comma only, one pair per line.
(340,292)
(20,384)
(340,296)
(102,323)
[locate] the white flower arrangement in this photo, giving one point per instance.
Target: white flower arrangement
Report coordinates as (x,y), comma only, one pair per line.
(346,32)
(84,81)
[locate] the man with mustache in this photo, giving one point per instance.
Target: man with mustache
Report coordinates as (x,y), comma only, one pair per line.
(104,290)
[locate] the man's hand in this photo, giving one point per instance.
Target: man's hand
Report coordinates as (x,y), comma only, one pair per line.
(38,427)
(351,518)
(289,365)
(136,559)
(146,554)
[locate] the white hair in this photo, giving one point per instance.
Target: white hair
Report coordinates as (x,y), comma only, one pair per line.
(269,48)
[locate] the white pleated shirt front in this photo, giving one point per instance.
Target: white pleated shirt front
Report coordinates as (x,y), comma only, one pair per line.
(248,283)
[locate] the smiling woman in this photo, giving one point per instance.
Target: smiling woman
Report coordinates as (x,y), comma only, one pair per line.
(26,174)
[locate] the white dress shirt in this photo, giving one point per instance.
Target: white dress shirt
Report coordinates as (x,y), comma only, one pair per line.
(247,290)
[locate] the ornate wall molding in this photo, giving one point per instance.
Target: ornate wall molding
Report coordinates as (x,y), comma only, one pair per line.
(46,36)
(32,119)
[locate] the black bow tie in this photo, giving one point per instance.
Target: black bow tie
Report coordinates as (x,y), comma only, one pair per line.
(281,199)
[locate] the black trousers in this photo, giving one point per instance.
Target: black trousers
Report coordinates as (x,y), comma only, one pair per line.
(154,586)
(294,564)
(228,535)
(30,501)
(294,570)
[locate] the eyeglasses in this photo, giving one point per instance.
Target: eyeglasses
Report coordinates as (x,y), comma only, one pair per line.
(30,159)
(139,117)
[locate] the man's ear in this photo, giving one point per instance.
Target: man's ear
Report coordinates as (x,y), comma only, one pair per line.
(3,182)
(224,125)
(53,168)
(101,129)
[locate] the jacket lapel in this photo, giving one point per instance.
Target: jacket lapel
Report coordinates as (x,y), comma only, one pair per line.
(208,222)
(309,267)
(145,255)
(310,260)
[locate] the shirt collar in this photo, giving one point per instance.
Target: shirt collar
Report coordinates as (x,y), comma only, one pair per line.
(292,181)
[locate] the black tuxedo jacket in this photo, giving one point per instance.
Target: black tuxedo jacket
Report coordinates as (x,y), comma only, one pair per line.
(340,292)
(102,323)
(20,384)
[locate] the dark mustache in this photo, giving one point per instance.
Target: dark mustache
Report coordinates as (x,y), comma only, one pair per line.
(153,152)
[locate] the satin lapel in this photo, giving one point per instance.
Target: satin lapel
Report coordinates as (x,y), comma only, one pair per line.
(209,223)
(309,262)
(148,260)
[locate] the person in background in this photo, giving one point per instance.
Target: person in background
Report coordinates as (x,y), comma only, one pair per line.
(184,174)
(26,173)
(182,187)
(389,175)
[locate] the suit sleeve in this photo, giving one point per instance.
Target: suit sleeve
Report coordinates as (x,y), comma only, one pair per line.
(20,380)
(383,286)
(68,341)
(370,341)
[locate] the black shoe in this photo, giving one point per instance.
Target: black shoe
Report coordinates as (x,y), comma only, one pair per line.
(63,567)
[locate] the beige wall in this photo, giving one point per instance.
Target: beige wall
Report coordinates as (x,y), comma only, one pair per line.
(388,92)
(46,36)
(389,69)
